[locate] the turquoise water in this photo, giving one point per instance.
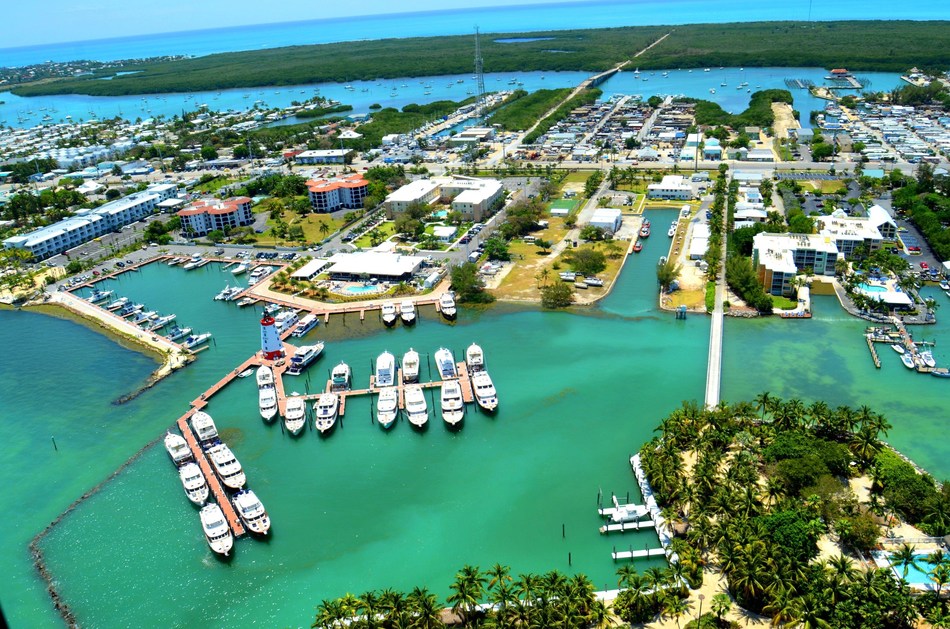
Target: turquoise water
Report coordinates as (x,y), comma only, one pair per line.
(870,288)
(916,575)
(361,290)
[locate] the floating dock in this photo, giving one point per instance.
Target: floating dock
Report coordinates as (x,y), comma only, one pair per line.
(637,554)
(623,527)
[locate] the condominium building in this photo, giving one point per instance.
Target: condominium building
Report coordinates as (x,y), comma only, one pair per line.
(779,257)
(329,195)
(673,187)
(474,198)
(205,216)
(850,233)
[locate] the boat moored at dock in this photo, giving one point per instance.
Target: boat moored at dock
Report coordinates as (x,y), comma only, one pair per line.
(326,409)
(118,303)
(389,313)
(239,269)
(285,320)
(898,348)
(407,311)
(267,401)
(306,324)
(410,366)
(474,358)
(251,511)
(447,305)
(99,295)
(265,377)
(305,355)
(177,448)
(908,361)
(387,406)
(485,394)
(194,483)
(161,322)
(340,377)
(445,362)
(227,466)
(193,263)
(195,340)
(417,410)
(385,370)
(176,333)
(204,427)
(295,418)
(216,529)
(453,408)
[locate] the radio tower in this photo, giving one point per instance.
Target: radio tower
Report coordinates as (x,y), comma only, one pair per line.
(479,77)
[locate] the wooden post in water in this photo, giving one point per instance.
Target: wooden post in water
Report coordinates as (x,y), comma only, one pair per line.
(569,561)
(54,444)
(562,531)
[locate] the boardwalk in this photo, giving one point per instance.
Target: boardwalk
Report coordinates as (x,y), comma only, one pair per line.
(202,400)
(623,527)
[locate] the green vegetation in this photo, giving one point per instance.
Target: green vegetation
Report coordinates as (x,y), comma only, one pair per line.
(758,114)
(557,294)
(710,298)
(742,279)
(927,201)
(317,112)
(585,97)
(586,260)
(468,286)
(667,272)
(520,114)
(390,120)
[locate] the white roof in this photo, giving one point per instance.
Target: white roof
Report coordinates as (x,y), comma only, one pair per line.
(374,263)
(310,269)
(323,153)
(413,191)
(774,253)
(848,228)
(879,216)
(444,231)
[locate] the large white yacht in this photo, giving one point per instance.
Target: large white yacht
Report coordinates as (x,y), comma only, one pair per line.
(387,406)
(227,466)
(204,426)
(385,370)
(389,313)
(216,529)
(445,362)
(447,305)
(177,448)
(296,415)
(410,366)
(305,355)
(407,310)
(306,324)
(265,376)
(453,409)
(416,408)
(267,400)
(340,377)
(485,393)
(251,511)
(326,408)
(474,358)
(285,320)
(196,487)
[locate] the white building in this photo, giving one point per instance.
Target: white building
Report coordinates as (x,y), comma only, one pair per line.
(389,267)
(880,219)
(324,156)
(310,270)
(607,219)
(699,241)
(850,233)
(672,187)
(471,196)
(779,257)
(421,191)
(445,233)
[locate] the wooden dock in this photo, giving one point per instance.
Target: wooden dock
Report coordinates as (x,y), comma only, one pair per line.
(201,401)
(623,527)
(874,356)
(468,395)
(636,554)
(210,477)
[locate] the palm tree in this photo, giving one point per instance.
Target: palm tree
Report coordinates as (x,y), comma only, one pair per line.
(393,605)
(842,567)
(905,557)
(467,591)
(721,604)
(502,597)
(426,611)
(325,228)
(675,607)
(369,608)
(498,574)
(625,574)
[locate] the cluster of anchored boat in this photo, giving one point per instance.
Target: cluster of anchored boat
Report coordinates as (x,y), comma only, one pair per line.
(228,469)
(407,310)
(149,320)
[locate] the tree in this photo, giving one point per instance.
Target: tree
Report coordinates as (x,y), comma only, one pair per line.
(543,245)
(208,152)
(112,194)
(467,590)
(592,233)
(587,261)
(74,266)
(822,151)
(667,273)
(496,249)
(215,235)
(557,295)
(468,286)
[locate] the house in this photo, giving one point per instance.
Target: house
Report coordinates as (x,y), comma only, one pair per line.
(329,195)
(209,215)
(607,219)
(671,187)
(310,270)
(445,233)
(754,133)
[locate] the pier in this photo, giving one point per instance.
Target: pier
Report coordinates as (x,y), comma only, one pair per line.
(636,554)
(656,518)
(623,527)
(899,336)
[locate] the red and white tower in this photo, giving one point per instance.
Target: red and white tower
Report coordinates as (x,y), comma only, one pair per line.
(271,346)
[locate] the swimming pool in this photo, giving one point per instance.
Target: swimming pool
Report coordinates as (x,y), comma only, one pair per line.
(867,288)
(917,575)
(361,290)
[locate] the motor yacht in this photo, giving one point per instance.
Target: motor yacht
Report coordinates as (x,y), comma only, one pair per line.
(407,311)
(267,401)
(265,376)
(447,305)
(387,406)
(340,377)
(295,417)
(385,370)
(416,409)
(305,355)
(196,487)
(285,320)
(227,466)
(326,409)
(204,427)
(474,358)
(453,409)
(195,340)
(485,394)
(251,512)
(445,362)
(177,448)
(389,313)
(216,529)
(306,324)
(410,366)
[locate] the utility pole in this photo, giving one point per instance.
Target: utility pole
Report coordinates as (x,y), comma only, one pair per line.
(479,77)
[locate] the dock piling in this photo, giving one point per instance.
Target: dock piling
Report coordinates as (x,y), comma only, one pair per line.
(562,531)
(54,444)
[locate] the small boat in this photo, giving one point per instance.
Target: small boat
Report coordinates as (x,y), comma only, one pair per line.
(306,324)
(196,487)
(118,303)
(305,355)
(407,311)
(326,408)
(285,320)
(265,377)
(940,372)
(340,377)
(204,427)
(416,408)
(645,231)
(447,305)
(224,295)
(385,370)
(898,348)
(176,333)
(177,448)
(161,322)
(99,295)
(908,361)
(174,261)
(593,281)
(216,529)
(267,402)
(245,301)
(387,406)
(928,359)
(474,358)
(637,248)
(445,362)
(251,511)
(130,309)
(410,366)
(195,340)
(944,286)
(142,317)
(295,417)
(239,269)
(389,313)
(485,393)
(672,231)
(194,263)
(227,466)
(453,409)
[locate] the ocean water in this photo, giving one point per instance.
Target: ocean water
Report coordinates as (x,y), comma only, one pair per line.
(495,19)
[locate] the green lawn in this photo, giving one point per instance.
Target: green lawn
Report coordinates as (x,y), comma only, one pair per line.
(387,228)
(563,204)
(783,303)
(210,187)
(311,228)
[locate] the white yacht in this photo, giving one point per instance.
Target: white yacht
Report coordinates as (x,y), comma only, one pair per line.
(326,408)
(387,406)
(251,511)
(196,487)
(474,358)
(216,529)
(227,466)
(445,362)
(225,294)
(285,320)
(193,263)
(177,448)
(485,393)
(410,366)
(265,376)
(99,295)
(447,305)
(161,322)
(453,409)
(195,340)
(385,370)
(389,313)
(118,303)
(928,358)
(416,408)
(267,400)
(296,416)
(305,355)
(340,377)
(306,324)
(239,269)
(407,310)
(204,426)
(176,333)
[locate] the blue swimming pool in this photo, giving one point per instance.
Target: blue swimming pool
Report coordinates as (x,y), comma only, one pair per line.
(361,290)
(867,288)
(917,575)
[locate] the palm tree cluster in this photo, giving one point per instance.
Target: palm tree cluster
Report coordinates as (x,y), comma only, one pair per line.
(752,486)
(492,599)
(655,593)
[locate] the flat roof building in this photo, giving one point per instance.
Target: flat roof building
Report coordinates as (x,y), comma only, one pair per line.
(390,267)
(310,270)
(779,257)
(672,187)
(850,233)
(322,156)
(422,191)
(474,198)
(607,219)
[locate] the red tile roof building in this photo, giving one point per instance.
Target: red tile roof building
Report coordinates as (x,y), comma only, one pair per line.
(329,195)
(208,215)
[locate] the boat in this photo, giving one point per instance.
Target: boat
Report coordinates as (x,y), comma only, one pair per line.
(940,372)
(177,448)
(306,324)
(474,358)
(898,348)
(259,273)
(195,340)
(385,370)
(251,511)
(265,377)
(593,281)
(410,366)
(387,406)
(245,301)
(908,361)
(99,295)
(638,247)
(389,313)
(142,317)
(224,295)
(118,303)
(194,263)
(174,261)
(485,394)
(246,372)
(445,362)
(712,90)
(326,408)
(305,355)
(204,427)
(944,286)
(227,466)
(176,333)
(447,305)
(453,409)
(340,377)
(196,487)
(295,417)
(239,269)
(671,231)
(645,231)
(267,402)
(130,309)
(285,320)
(416,408)
(407,311)
(928,359)
(161,322)
(216,529)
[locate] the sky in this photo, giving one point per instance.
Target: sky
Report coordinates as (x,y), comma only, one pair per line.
(54,21)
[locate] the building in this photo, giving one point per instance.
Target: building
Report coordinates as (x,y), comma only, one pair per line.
(472,135)
(850,233)
(324,156)
(310,270)
(879,218)
(421,191)
(445,233)
(474,198)
(607,219)
(205,216)
(329,195)
(387,267)
(760,155)
(672,187)
(699,241)
(779,257)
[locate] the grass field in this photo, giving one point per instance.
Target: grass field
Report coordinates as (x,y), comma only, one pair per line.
(387,228)
(311,228)
(521,282)
(210,187)
(563,204)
